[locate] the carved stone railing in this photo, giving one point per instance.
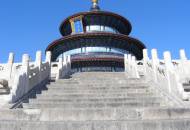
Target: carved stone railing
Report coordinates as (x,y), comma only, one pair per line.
(131,66)
(140,68)
(23,77)
(61,68)
(30,75)
(167,74)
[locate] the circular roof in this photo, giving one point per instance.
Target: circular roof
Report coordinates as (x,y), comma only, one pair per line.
(103,39)
(98,18)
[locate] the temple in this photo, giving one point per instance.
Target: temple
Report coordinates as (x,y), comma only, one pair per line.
(96,40)
(96,77)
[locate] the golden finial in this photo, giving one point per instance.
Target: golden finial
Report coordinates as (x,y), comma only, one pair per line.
(94,1)
(95,6)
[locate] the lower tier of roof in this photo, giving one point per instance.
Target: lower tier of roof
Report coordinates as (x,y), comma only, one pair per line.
(119,41)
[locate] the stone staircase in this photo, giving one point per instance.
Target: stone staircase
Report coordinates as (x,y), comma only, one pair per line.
(97,101)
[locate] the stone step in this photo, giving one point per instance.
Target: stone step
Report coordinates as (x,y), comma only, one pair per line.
(58,91)
(102,87)
(84,82)
(90,105)
(93,96)
(113,96)
(101,75)
(98,78)
(60,114)
(56,101)
(100,94)
(101,78)
(97,125)
(117,95)
(97,84)
(83,99)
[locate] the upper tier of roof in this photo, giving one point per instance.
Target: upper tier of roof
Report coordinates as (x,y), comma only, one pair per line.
(98,18)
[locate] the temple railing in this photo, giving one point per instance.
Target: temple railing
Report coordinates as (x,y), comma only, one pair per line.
(131,66)
(170,77)
(26,76)
(167,74)
(97,55)
(61,68)
(23,77)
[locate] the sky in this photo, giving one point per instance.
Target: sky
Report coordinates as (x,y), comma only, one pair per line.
(30,25)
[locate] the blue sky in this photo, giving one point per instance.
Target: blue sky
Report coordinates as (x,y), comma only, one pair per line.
(30,25)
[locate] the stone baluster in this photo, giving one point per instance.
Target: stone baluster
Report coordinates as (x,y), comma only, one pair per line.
(38,59)
(60,68)
(38,64)
(145,60)
(48,60)
(129,59)
(64,65)
(183,55)
(69,63)
(168,61)
(25,63)
(25,72)
(10,65)
(184,62)
(48,57)
(155,63)
(64,59)
(169,68)
(135,73)
(185,66)
(125,62)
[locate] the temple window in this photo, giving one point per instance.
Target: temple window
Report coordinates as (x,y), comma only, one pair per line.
(100,28)
(77,25)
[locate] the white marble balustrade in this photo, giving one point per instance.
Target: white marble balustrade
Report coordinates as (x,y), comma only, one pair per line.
(24,76)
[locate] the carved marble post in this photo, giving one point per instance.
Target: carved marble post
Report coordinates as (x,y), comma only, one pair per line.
(39,59)
(64,59)
(69,63)
(168,61)
(145,59)
(25,63)
(183,55)
(135,73)
(125,62)
(25,71)
(129,59)
(184,63)
(10,64)
(64,65)
(48,59)
(38,64)
(60,68)
(169,68)
(155,62)
(185,67)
